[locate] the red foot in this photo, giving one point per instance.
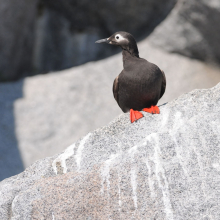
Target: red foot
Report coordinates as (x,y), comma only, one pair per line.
(135,115)
(153,110)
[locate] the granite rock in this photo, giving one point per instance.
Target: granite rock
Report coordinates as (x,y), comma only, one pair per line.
(191,29)
(39,36)
(66,30)
(16,37)
(163,166)
(41,115)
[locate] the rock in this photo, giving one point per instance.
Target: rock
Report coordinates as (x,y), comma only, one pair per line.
(112,16)
(54,35)
(162,167)
(66,30)
(59,47)
(16,38)
(42,115)
(191,29)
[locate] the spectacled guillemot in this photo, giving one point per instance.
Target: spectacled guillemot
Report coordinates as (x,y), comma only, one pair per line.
(140,84)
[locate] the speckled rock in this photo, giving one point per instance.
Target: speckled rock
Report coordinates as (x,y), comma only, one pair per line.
(162,167)
(61,107)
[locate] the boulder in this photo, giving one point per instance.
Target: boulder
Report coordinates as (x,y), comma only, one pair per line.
(163,166)
(191,29)
(41,115)
(16,38)
(41,36)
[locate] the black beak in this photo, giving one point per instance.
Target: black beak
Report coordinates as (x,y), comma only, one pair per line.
(102,41)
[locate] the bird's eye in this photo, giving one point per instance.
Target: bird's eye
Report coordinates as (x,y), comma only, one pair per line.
(117,37)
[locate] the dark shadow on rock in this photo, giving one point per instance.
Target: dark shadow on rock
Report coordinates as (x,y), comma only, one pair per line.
(66,31)
(162,104)
(10,158)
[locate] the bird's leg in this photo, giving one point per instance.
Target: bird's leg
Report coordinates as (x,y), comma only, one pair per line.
(153,109)
(135,115)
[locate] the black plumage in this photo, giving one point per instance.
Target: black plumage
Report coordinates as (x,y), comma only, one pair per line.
(141,83)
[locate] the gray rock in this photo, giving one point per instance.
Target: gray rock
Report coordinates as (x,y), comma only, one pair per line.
(66,30)
(16,37)
(42,115)
(162,167)
(54,35)
(191,29)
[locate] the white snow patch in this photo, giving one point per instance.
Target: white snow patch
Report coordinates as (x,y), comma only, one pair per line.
(134,186)
(78,156)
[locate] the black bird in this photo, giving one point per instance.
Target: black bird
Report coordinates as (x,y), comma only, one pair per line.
(140,84)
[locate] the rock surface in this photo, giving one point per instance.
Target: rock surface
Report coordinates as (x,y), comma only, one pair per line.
(191,29)
(162,167)
(39,36)
(41,115)
(16,37)
(55,35)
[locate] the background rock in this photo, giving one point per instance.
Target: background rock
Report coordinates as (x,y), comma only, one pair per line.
(191,29)
(162,167)
(41,36)
(42,115)
(16,37)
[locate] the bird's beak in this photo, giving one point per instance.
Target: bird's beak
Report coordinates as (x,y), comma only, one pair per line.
(106,40)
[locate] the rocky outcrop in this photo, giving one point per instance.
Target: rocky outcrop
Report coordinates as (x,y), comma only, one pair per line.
(40,36)
(191,29)
(16,38)
(41,115)
(162,167)
(55,35)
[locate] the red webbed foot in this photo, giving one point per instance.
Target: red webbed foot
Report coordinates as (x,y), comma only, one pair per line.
(135,115)
(153,109)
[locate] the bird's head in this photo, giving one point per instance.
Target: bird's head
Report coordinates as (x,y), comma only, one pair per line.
(123,39)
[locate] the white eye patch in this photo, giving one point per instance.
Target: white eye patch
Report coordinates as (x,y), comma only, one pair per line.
(119,38)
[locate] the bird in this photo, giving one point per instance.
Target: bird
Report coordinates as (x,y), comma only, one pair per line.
(141,83)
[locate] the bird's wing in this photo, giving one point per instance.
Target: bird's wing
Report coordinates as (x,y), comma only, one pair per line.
(115,89)
(163,87)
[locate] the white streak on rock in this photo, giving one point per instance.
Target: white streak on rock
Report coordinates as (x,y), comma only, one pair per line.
(119,193)
(165,118)
(202,173)
(53,216)
(63,157)
(179,156)
(67,154)
(134,186)
(132,150)
(78,156)
(150,181)
(105,171)
(216,166)
(178,123)
(161,178)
